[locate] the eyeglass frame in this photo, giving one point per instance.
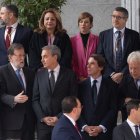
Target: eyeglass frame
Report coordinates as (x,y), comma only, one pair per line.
(118,17)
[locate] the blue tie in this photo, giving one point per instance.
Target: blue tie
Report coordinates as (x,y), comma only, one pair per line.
(19,77)
(137,132)
(118,52)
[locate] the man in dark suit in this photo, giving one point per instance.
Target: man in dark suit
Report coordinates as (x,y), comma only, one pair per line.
(98,98)
(129,130)
(110,41)
(17,34)
(66,127)
(52,84)
(16,83)
(130,85)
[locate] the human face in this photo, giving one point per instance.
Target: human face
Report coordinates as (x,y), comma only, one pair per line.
(4,15)
(17,59)
(136,113)
(50,21)
(48,60)
(118,20)
(85,25)
(134,69)
(93,69)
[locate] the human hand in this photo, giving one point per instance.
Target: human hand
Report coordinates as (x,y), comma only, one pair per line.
(20,98)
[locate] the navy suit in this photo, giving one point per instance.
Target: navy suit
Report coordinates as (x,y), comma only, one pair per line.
(64,129)
(13,116)
(103,113)
(22,36)
(123,132)
(105,47)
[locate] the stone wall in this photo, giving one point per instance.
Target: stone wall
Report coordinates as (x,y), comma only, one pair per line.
(100,9)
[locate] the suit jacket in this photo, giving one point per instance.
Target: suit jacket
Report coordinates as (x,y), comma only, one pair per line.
(22,36)
(46,103)
(80,54)
(104,112)
(127,89)
(12,116)
(123,132)
(131,43)
(64,129)
(39,40)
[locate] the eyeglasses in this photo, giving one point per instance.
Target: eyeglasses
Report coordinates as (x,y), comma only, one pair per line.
(117,17)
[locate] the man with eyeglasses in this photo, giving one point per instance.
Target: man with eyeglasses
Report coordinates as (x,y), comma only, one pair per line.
(16,83)
(116,44)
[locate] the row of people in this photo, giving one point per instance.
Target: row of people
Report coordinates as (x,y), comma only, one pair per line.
(98,95)
(76,50)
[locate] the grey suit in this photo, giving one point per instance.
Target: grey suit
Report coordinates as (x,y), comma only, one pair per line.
(123,132)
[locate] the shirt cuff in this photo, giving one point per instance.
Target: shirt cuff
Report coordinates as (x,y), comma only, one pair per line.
(104,129)
(82,130)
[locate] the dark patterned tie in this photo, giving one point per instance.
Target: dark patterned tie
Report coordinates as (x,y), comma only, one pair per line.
(8,37)
(137,132)
(118,52)
(52,80)
(94,91)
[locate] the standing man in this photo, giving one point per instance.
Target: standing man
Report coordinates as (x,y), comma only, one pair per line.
(130,85)
(16,83)
(129,130)
(98,98)
(52,84)
(12,32)
(66,127)
(116,44)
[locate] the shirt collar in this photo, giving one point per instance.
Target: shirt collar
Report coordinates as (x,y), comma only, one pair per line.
(14,26)
(130,123)
(98,79)
(71,119)
(14,67)
(56,69)
(115,29)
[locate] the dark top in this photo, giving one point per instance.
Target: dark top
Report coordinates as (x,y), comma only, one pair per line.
(84,38)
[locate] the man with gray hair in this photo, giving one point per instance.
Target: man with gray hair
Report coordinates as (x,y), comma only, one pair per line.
(52,84)
(130,86)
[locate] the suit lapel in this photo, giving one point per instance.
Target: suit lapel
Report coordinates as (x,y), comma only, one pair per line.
(18,33)
(128,131)
(2,36)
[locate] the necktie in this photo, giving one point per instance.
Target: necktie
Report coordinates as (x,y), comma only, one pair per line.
(52,80)
(137,132)
(19,77)
(118,52)
(76,127)
(94,91)
(8,37)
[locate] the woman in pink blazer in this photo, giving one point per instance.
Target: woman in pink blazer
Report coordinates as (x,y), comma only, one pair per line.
(83,45)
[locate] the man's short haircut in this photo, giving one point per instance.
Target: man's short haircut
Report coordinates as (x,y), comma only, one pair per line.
(12,8)
(68,103)
(134,56)
(13,47)
(54,51)
(100,60)
(132,104)
(122,10)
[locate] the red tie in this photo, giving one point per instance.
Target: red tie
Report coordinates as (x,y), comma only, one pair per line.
(8,37)
(78,130)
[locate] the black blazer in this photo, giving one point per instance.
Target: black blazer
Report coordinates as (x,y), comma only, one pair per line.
(104,112)
(64,129)
(105,47)
(46,103)
(22,36)
(123,132)
(12,116)
(39,40)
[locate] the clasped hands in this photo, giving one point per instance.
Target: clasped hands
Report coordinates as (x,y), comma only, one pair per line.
(93,130)
(51,121)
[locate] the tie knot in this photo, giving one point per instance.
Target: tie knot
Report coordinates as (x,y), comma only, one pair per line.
(94,81)
(119,33)
(18,70)
(136,126)
(9,30)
